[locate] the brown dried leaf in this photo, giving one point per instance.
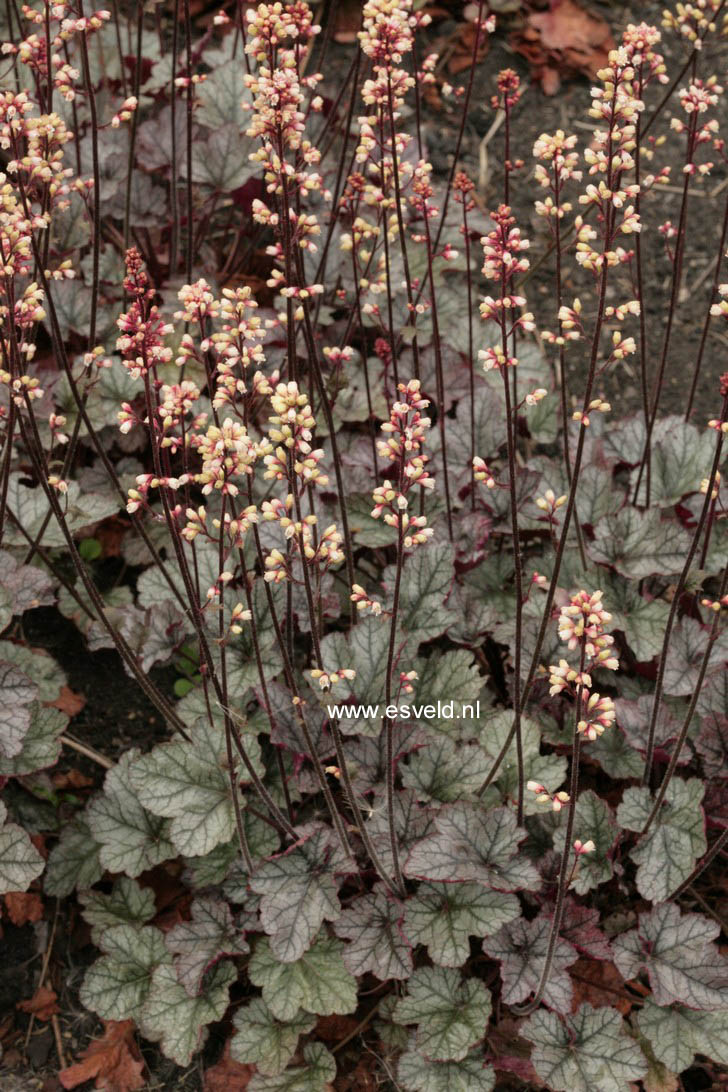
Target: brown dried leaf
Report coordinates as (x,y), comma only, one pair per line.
(363,1078)
(42,1004)
(23,906)
(68,702)
(71,779)
(113,1060)
(600,983)
(462,45)
(110,533)
(332,1029)
(228,1075)
(511,1053)
(564,41)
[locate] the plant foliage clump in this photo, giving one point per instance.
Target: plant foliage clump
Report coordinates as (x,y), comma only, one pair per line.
(436,632)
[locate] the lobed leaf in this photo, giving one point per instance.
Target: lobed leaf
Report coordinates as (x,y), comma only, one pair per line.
(548,769)
(685,655)
(264,1041)
(417,1073)
(585,1051)
(25,587)
(452,678)
(451,1013)
(188,783)
(472,844)
(427,579)
(680,457)
(677,1034)
(318,982)
(17,693)
(444,770)
(131,839)
(411,823)
(299,892)
(40,746)
(521,948)
(594,820)
(639,543)
(116,985)
(196,944)
(444,916)
(128,903)
(679,954)
(373,926)
(315,1075)
(177,1021)
(666,855)
(364,648)
(20,861)
(30,507)
(74,860)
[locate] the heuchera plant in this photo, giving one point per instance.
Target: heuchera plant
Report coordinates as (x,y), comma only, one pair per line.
(455,715)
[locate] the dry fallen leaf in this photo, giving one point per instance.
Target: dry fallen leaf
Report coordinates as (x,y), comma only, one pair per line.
(462,45)
(600,983)
(228,1075)
(332,1029)
(363,1078)
(23,906)
(69,702)
(42,1004)
(71,779)
(564,41)
(113,1060)
(110,533)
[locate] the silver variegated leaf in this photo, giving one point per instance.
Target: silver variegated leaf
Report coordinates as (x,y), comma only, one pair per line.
(443,916)
(583,1052)
(521,948)
(128,903)
(41,746)
(594,820)
(318,982)
(315,1075)
(365,649)
(472,844)
(131,838)
(679,954)
(445,770)
(451,1013)
(74,860)
(20,861)
(676,1034)
(548,769)
(373,926)
(177,1021)
(264,1041)
(197,943)
(416,1073)
(298,892)
(667,854)
(639,543)
(188,783)
(116,985)
(427,579)
(17,693)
